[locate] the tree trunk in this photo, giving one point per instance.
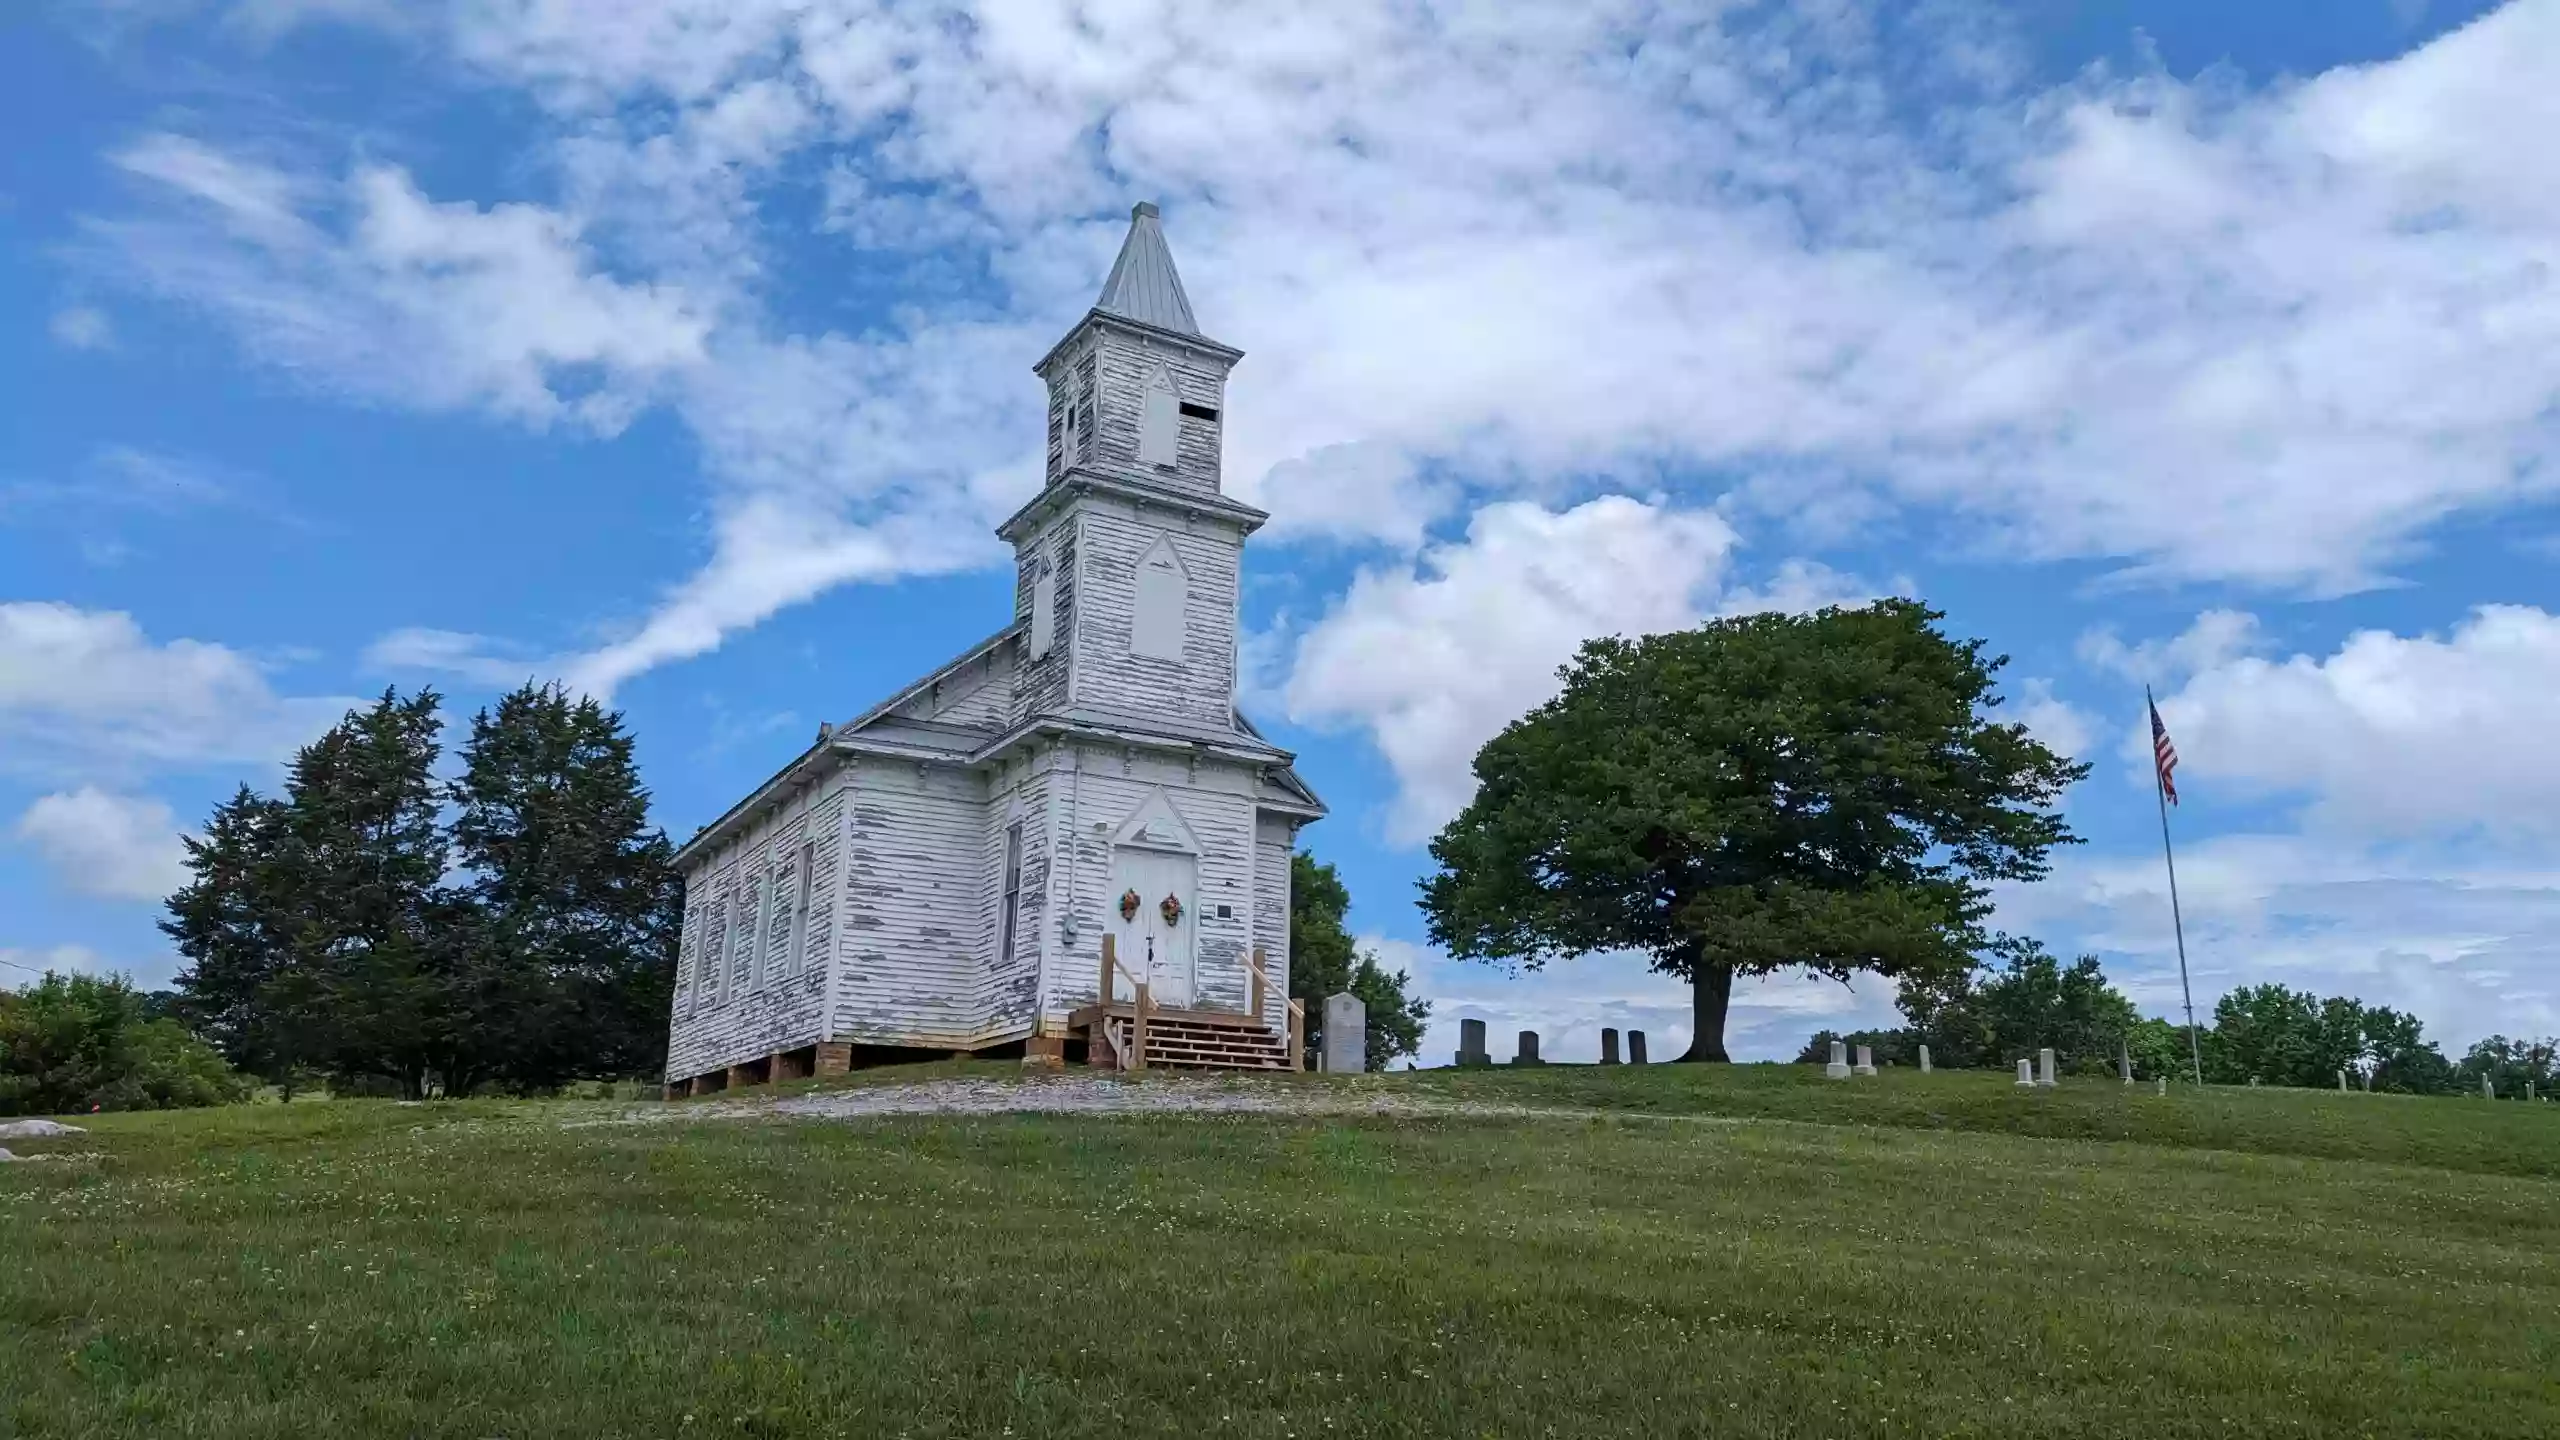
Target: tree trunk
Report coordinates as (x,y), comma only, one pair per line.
(1709,994)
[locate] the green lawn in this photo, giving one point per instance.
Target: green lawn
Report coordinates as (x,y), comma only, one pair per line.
(1944,1256)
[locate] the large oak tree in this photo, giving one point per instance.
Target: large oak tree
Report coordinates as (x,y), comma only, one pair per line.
(1824,791)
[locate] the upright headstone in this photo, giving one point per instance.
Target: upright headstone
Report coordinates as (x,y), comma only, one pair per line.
(2368,1082)
(2528,1092)
(1471,1049)
(1528,1049)
(2487,1090)
(2124,1061)
(1924,1059)
(2044,1066)
(2027,1073)
(1608,1045)
(1346,1035)
(1866,1061)
(2342,1082)
(2164,1085)
(1838,1069)
(1635,1047)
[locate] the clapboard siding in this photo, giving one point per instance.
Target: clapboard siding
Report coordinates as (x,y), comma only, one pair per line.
(1216,801)
(1200,379)
(978,694)
(750,996)
(1008,993)
(1200,687)
(1049,558)
(1275,839)
(914,906)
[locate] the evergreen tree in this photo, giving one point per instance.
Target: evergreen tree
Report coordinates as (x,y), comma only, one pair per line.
(228,923)
(576,908)
(1324,960)
(369,928)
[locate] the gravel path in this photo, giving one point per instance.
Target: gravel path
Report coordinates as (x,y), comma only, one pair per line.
(1082,1095)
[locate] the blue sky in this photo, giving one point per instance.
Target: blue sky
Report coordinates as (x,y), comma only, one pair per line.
(681,349)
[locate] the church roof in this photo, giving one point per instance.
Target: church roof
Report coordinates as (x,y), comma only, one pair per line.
(1144,285)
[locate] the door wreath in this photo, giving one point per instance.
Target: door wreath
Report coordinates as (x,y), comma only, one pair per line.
(1129,905)
(1172,910)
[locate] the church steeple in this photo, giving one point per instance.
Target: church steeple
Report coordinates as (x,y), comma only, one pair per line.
(1144,286)
(1136,392)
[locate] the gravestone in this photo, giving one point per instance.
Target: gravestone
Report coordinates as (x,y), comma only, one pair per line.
(1608,1045)
(1346,1035)
(2044,1066)
(1528,1049)
(2124,1061)
(1866,1061)
(1838,1069)
(2342,1082)
(1635,1047)
(2368,1082)
(2164,1085)
(1471,1049)
(2027,1073)
(2487,1090)
(1924,1059)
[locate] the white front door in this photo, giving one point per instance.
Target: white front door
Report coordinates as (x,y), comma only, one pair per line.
(1149,944)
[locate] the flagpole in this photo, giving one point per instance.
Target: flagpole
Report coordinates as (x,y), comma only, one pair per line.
(2160,792)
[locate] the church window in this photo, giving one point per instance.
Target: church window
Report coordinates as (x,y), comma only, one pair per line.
(1012,892)
(1191,411)
(1044,609)
(806,869)
(742,963)
(1156,611)
(1160,425)
(715,951)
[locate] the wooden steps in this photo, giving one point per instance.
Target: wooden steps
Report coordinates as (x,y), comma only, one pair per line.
(1190,1039)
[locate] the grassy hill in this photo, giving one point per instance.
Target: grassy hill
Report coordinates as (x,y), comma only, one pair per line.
(1743,1252)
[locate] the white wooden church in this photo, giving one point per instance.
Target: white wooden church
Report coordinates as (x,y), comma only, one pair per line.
(957,868)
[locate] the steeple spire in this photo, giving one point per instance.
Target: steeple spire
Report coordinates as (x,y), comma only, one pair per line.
(1143,285)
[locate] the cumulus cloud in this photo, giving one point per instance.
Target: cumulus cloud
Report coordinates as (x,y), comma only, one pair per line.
(120,846)
(1433,658)
(2391,736)
(2472,947)
(1528,252)
(89,692)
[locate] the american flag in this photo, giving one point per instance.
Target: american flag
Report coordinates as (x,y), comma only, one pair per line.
(2164,755)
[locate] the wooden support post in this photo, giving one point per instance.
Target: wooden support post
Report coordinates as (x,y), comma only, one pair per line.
(1297,1037)
(1138,1031)
(1110,958)
(835,1057)
(1261,981)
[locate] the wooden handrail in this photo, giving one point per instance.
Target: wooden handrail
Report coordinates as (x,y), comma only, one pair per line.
(1137,1058)
(1297,1009)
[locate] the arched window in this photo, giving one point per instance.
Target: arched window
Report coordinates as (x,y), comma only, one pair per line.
(1160,424)
(1156,612)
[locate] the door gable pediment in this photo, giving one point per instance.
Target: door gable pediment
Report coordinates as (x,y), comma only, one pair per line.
(1154,824)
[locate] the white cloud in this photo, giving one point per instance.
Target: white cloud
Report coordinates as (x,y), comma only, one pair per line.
(1530,251)
(450,652)
(1434,658)
(120,846)
(23,967)
(367,286)
(2063,727)
(82,327)
(2472,948)
(87,692)
(2217,638)
(2394,737)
